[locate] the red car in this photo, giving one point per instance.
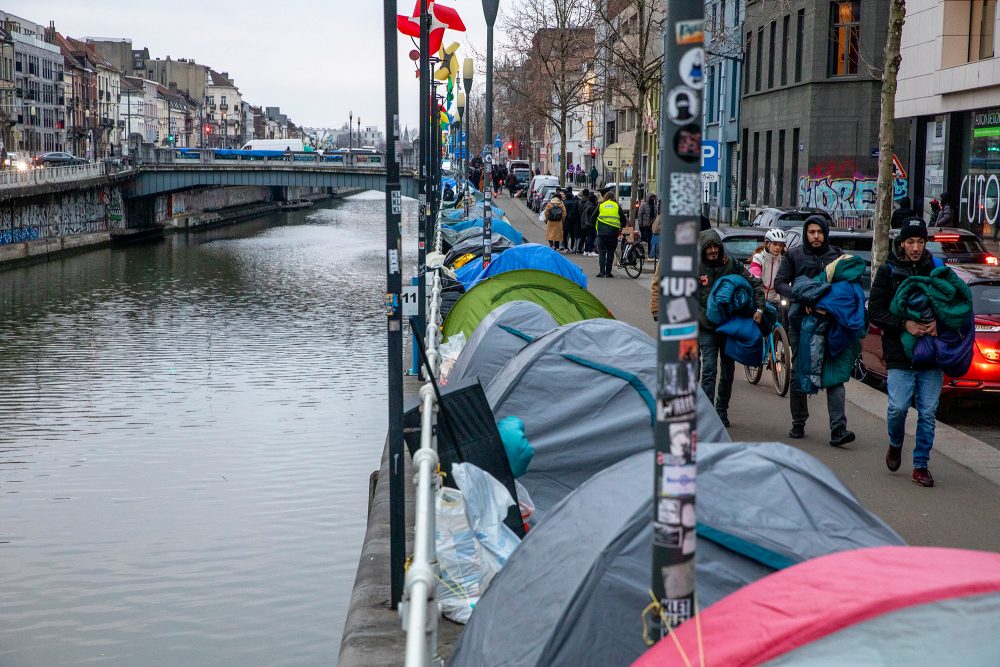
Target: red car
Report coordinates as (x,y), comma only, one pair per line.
(984,375)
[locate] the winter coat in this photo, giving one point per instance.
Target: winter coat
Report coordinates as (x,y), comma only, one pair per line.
(885,285)
(710,273)
(572,220)
(554,228)
(645,216)
(731,306)
(944,297)
(803,260)
(764,265)
(830,336)
(946,218)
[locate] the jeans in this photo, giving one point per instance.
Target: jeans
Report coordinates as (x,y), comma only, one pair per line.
(711,345)
(654,247)
(904,387)
(836,396)
(606,253)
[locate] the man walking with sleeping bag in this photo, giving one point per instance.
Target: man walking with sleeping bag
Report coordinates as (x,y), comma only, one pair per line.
(711,344)
(809,260)
(909,379)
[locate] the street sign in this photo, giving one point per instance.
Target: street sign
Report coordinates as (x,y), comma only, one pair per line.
(709,155)
(709,177)
(410,299)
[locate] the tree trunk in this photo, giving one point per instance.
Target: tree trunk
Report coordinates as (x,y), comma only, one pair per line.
(562,147)
(640,133)
(886,138)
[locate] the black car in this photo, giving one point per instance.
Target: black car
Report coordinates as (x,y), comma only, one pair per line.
(741,242)
(56,159)
(955,246)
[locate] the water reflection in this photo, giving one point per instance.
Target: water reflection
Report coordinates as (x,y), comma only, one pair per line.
(186,433)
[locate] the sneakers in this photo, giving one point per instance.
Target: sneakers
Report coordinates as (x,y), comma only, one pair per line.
(842,438)
(797,432)
(724,417)
(922,477)
(600,275)
(893,458)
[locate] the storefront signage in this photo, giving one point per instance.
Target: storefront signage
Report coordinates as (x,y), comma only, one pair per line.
(986,123)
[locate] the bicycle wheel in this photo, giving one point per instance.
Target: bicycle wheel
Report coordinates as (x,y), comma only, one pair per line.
(633,265)
(781,362)
(753,373)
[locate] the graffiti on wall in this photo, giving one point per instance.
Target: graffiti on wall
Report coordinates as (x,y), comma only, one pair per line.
(76,212)
(208,199)
(845,194)
(979,200)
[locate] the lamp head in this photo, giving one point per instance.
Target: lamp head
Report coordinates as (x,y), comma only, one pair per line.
(461,103)
(467,72)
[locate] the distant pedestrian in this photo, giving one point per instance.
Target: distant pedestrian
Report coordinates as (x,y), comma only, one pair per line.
(589,222)
(935,212)
(511,184)
(571,225)
(654,239)
(538,172)
(3,157)
(554,214)
(946,218)
(645,219)
(904,212)
(909,380)
(593,177)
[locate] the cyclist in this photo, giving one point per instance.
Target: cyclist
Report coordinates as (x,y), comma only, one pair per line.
(765,262)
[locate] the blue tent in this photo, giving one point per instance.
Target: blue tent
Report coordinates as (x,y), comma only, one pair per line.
(474,212)
(474,227)
(526,256)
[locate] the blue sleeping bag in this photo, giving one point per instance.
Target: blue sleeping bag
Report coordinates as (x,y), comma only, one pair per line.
(731,307)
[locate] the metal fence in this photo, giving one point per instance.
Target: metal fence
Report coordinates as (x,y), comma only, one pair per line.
(12,178)
(854,218)
(420,612)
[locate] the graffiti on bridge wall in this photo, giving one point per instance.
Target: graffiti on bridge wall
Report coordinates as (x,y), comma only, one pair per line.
(845,194)
(208,199)
(76,212)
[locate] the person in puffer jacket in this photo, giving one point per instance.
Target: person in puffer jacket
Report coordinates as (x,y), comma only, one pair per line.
(808,260)
(908,382)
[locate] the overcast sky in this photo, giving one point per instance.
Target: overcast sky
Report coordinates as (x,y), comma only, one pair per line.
(316,60)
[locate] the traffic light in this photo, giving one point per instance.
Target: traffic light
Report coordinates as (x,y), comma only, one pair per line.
(593,152)
(510,147)
(208,129)
(170,138)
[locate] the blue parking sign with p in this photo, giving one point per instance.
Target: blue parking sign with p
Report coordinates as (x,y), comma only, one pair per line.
(709,155)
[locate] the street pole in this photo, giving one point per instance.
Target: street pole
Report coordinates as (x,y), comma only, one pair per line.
(394,313)
(424,178)
(490,8)
(467,73)
(673,566)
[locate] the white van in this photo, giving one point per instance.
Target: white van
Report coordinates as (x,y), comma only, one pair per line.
(539,182)
(624,194)
(295,145)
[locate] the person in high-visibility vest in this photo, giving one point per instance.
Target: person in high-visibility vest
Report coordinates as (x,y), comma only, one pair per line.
(610,221)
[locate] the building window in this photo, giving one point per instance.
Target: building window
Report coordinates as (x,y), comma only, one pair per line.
(710,97)
(744,153)
(795,166)
(845,35)
(780,194)
(760,57)
(722,16)
(733,91)
(767,167)
(784,49)
(746,63)
(982,19)
(800,33)
(770,54)
(756,169)
(713,25)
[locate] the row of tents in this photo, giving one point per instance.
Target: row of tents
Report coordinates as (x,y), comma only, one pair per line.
(775,527)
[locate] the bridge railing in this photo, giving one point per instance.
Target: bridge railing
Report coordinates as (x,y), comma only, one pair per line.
(12,178)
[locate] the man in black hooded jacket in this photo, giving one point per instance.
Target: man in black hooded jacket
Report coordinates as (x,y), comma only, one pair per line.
(809,259)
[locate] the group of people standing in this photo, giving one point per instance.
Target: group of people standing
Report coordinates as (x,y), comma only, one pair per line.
(773,273)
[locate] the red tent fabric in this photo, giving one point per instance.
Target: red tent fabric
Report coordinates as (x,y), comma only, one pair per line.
(814,599)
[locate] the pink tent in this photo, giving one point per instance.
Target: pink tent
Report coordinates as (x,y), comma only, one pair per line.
(884,605)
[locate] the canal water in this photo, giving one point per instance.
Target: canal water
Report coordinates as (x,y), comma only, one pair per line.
(187,428)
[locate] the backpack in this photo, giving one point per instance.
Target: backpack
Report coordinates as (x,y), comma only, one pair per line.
(555,213)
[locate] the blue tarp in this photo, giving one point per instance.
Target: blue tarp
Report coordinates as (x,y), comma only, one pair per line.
(474,211)
(526,256)
(501,227)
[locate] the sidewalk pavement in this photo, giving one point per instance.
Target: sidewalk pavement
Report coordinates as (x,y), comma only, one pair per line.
(958,512)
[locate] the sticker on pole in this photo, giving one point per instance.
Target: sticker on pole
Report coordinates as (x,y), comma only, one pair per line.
(409,299)
(682,105)
(690,32)
(679,331)
(692,68)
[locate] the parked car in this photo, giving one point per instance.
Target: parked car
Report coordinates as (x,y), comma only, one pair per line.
(537,183)
(788,218)
(984,374)
(56,159)
(741,242)
(955,246)
(543,196)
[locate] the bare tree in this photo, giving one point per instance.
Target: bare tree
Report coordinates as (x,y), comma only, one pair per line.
(631,52)
(550,43)
(886,138)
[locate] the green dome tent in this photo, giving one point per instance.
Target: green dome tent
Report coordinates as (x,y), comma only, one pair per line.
(562,298)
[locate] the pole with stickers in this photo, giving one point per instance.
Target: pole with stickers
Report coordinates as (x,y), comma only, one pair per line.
(676,434)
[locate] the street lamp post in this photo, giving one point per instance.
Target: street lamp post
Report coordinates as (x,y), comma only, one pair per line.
(490,8)
(462,176)
(467,73)
(350,131)
(424,173)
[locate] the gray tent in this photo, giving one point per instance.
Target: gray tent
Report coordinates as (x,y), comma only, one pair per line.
(498,337)
(585,392)
(572,593)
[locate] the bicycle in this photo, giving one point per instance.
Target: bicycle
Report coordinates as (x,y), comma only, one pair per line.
(778,357)
(630,255)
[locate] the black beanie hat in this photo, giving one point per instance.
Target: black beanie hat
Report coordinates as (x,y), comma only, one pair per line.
(913,227)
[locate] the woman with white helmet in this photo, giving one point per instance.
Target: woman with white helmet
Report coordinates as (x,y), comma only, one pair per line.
(765,262)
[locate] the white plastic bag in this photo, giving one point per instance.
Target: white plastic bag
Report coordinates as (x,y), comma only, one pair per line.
(486,503)
(458,554)
(449,354)
(526,505)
